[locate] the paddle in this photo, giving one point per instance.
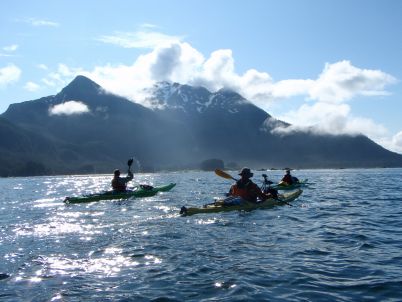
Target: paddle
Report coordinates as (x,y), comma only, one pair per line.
(269,183)
(224,174)
(266,181)
(129,163)
(144,187)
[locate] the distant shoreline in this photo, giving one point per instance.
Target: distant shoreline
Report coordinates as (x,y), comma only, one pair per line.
(199,170)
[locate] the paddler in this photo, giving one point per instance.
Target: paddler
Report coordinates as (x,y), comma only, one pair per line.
(119,184)
(288,179)
(246,189)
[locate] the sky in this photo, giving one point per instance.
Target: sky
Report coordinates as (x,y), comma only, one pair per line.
(320,65)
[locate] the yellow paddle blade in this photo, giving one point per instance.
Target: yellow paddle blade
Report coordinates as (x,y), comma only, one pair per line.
(223,174)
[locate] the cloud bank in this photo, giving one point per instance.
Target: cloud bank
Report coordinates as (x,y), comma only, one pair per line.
(325,98)
(69,108)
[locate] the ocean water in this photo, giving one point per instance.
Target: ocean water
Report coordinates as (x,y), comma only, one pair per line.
(340,241)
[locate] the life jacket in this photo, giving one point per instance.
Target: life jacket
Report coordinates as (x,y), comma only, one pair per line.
(248,191)
(288,179)
(118,184)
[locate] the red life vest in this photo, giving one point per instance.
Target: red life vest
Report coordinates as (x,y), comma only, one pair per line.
(249,191)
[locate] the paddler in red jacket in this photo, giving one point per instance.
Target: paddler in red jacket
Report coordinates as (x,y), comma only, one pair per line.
(246,189)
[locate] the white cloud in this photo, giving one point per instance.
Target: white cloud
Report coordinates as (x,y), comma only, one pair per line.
(41,22)
(175,61)
(393,143)
(332,118)
(396,143)
(69,108)
(10,48)
(9,74)
(326,109)
(42,66)
(325,98)
(61,76)
(31,86)
(329,118)
(139,39)
(342,81)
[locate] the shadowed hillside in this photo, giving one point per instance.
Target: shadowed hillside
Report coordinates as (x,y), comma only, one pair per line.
(190,126)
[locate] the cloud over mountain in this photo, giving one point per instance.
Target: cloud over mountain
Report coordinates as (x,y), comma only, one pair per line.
(324,99)
(69,108)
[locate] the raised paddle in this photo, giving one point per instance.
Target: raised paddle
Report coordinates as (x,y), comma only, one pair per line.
(129,163)
(145,187)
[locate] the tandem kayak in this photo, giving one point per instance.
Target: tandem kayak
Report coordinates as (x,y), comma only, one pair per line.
(285,186)
(220,206)
(140,191)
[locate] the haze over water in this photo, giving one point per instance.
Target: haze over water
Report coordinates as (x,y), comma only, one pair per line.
(340,241)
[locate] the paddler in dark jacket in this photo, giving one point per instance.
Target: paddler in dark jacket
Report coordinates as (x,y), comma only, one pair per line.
(288,179)
(246,189)
(119,184)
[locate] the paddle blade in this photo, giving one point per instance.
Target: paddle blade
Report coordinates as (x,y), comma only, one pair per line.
(130,162)
(223,174)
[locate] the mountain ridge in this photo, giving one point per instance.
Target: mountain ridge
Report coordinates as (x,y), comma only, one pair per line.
(186,126)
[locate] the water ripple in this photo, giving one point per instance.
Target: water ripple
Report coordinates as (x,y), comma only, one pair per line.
(340,241)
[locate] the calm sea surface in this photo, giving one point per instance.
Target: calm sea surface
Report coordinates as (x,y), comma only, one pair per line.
(340,241)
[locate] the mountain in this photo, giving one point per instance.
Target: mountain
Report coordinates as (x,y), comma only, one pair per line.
(230,127)
(112,130)
(186,126)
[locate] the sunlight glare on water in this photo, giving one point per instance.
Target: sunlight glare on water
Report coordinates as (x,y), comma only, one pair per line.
(339,241)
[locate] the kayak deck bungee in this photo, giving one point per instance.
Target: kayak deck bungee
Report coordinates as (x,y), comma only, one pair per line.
(285,187)
(137,192)
(220,206)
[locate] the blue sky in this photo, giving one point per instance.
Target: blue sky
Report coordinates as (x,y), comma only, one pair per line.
(334,65)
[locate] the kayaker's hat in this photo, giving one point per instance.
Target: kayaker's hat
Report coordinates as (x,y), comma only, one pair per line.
(246,172)
(116,172)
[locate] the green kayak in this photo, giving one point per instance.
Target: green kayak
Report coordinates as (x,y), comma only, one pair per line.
(140,191)
(219,206)
(286,187)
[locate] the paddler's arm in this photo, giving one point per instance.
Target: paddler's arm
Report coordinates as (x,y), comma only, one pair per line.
(129,177)
(260,194)
(230,193)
